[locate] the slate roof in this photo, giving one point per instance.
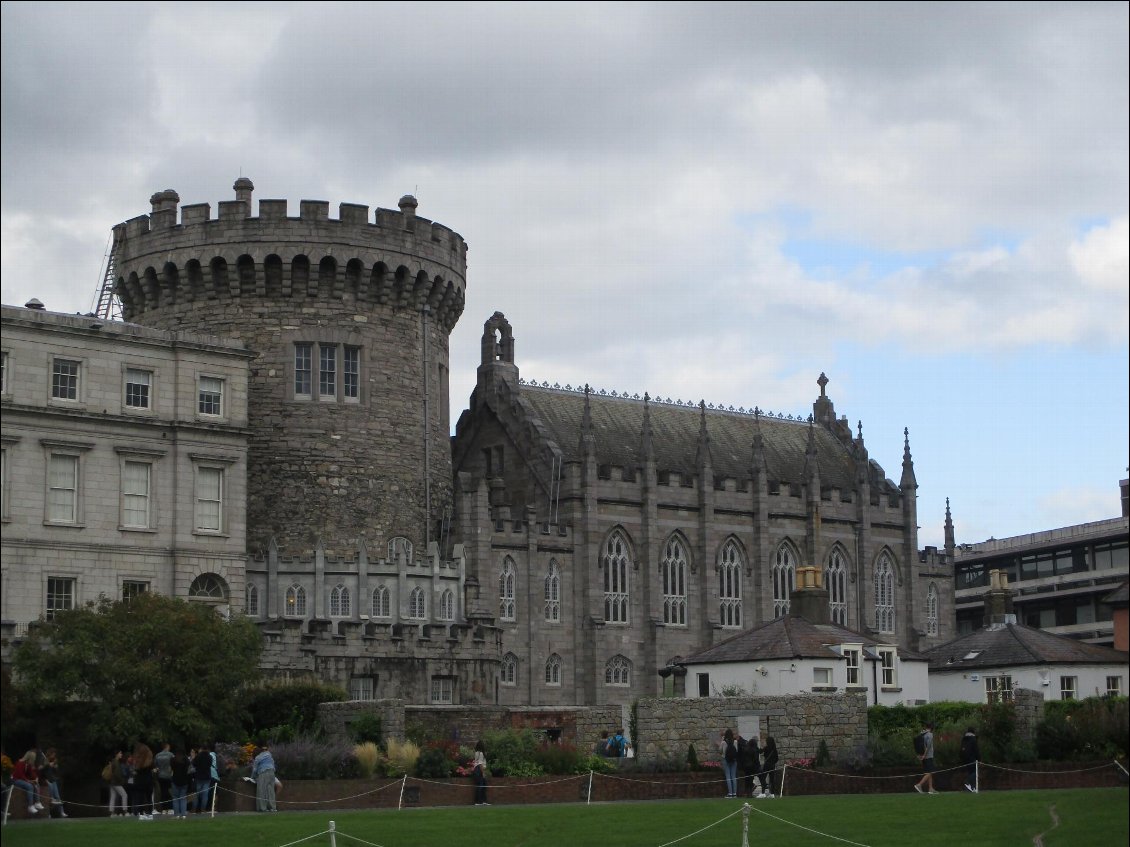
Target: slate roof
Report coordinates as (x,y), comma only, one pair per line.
(789,637)
(1015,644)
(618,424)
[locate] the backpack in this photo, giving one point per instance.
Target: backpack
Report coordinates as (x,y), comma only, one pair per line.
(107,772)
(920,744)
(612,750)
(731,752)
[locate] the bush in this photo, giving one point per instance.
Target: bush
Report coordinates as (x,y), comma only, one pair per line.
(561,759)
(400,758)
(513,752)
(367,727)
(285,711)
(1084,728)
(311,758)
(822,754)
(368,756)
(692,758)
(434,763)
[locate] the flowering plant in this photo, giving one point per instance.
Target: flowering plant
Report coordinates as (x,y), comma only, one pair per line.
(711,764)
(800,763)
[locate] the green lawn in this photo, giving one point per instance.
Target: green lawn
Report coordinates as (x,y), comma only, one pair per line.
(1096,816)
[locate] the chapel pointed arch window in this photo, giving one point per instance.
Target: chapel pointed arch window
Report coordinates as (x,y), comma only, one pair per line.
(618,671)
(616,562)
(340,606)
(932,609)
(507,580)
(884,594)
(674,575)
(553,593)
(295,602)
(382,602)
(835,581)
(730,566)
(784,579)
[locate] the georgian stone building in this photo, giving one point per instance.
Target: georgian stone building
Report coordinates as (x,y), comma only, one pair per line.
(564,548)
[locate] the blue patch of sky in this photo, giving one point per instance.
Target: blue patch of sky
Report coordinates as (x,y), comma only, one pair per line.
(995,434)
(823,257)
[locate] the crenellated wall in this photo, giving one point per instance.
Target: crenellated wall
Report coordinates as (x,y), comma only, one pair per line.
(349,321)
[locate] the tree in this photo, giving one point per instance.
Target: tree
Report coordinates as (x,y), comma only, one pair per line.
(150,668)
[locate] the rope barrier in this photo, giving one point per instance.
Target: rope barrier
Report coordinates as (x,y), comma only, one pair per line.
(1045,773)
(314,802)
(570,778)
(1118,765)
(700,831)
(895,776)
(805,828)
(307,838)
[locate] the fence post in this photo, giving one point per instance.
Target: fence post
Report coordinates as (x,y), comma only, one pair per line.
(8,801)
(745,824)
(588,800)
(784,772)
(215,791)
(333,834)
(403,782)
(976,776)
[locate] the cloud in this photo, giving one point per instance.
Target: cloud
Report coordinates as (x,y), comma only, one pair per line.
(1101,259)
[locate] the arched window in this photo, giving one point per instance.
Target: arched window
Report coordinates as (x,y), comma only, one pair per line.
(508,672)
(251,601)
(382,605)
(553,670)
(884,595)
(835,580)
(506,580)
(208,586)
(295,602)
(784,579)
(400,546)
(339,602)
(553,592)
(932,610)
(730,586)
(674,569)
(618,671)
(447,605)
(417,604)
(616,564)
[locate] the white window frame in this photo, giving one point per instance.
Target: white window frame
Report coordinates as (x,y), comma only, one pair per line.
(294,601)
(60,392)
(148,459)
(75,453)
(60,595)
(5,472)
(853,664)
(417,604)
(617,565)
(447,605)
(673,574)
(508,671)
(4,373)
(1114,686)
(328,372)
(341,605)
(397,545)
(552,610)
(553,671)
(350,373)
(730,585)
(1069,687)
(443,690)
(133,588)
(381,606)
(822,677)
(362,688)
(618,671)
(998,688)
(303,383)
(888,666)
(210,391)
(507,584)
(132,377)
(202,519)
(251,600)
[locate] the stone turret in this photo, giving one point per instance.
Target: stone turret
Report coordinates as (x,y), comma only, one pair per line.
(350,320)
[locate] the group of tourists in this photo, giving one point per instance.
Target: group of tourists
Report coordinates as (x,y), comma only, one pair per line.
(142,784)
(753,760)
(970,753)
(34,771)
(614,745)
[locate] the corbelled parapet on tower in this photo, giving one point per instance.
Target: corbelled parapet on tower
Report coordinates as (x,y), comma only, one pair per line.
(349,319)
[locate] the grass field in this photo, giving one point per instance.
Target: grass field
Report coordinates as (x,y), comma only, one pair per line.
(1095,817)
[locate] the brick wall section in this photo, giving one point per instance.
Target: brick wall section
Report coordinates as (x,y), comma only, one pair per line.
(797,723)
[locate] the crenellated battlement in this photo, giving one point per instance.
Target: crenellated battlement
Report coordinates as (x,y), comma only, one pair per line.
(393,258)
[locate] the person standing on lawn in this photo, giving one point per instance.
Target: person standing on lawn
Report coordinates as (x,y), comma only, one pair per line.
(769,759)
(970,754)
(749,760)
(926,784)
(263,772)
(479,771)
(728,747)
(163,762)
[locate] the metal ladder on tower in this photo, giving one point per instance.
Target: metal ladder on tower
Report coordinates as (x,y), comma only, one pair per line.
(107,306)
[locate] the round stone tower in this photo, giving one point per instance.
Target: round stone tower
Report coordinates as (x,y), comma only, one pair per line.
(350,320)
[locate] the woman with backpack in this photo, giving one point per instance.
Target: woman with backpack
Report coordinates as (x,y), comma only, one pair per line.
(729,750)
(114,777)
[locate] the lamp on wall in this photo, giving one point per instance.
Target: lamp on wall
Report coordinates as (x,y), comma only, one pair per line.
(761,670)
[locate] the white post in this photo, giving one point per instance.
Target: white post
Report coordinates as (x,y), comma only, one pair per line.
(8,802)
(588,800)
(977,775)
(784,770)
(1116,764)
(745,824)
(333,834)
(403,782)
